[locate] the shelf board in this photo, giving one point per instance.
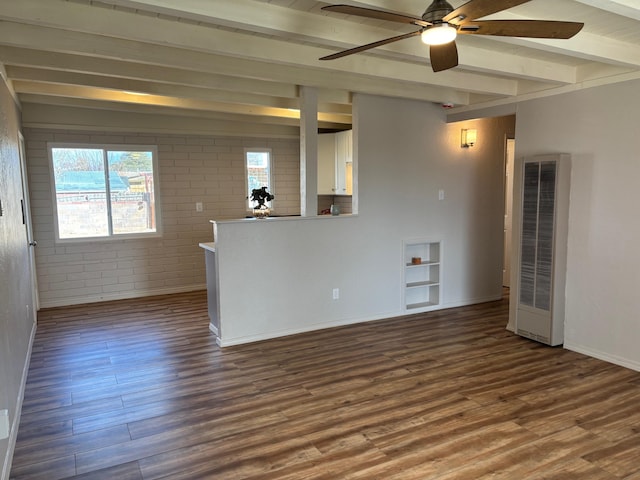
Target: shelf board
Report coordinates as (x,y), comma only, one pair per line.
(422,284)
(413,306)
(421,264)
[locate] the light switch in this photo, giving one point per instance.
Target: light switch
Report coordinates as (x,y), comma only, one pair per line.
(440,194)
(198,206)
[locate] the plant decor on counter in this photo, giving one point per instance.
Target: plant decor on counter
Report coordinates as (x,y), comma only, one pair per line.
(261,196)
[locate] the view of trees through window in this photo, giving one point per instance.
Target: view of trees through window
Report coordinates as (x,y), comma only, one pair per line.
(101,192)
(258,166)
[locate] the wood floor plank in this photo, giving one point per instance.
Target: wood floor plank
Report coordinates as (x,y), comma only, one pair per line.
(125,471)
(38,452)
(73,411)
(56,469)
(259,458)
(621,459)
(138,389)
(35,433)
(217,416)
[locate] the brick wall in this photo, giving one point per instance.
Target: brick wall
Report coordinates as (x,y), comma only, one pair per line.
(192,169)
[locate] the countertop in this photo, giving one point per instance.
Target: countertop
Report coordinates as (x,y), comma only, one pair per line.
(211,246)
(294,218)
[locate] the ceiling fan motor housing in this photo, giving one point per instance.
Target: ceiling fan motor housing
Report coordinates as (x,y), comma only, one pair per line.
(437,11)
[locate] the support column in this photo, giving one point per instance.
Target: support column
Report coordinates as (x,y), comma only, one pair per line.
(308,151)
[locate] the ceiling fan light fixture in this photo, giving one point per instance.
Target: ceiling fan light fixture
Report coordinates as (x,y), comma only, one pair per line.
(439,34)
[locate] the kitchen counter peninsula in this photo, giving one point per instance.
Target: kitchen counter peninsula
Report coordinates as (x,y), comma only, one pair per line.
(275,276)
(212,286)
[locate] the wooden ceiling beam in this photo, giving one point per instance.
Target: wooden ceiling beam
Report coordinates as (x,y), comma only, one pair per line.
(44,99)
(96,47)
(94,93)
(332,30)
(625,8)
(42,115)
(187,39)
(26,57)
(155,88)
(584,47)
(53,61)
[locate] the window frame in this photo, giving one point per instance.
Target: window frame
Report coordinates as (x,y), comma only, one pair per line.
(270,188)
(107,147)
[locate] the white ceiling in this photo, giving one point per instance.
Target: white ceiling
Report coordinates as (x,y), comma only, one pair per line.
(244,60)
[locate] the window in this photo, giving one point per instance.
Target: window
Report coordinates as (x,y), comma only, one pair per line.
(104,191)
(258,170)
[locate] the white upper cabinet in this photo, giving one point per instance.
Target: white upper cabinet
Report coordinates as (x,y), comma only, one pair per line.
(335,162)
(344,162)
(326,164)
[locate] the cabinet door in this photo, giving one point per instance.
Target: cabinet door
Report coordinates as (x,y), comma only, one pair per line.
(344,159)
(326,164)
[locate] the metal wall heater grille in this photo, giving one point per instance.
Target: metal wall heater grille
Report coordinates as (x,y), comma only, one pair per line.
(538,211)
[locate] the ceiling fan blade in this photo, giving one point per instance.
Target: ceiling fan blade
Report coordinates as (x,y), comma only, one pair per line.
(377,14)
(368,46)
(444,56)
(523,28)
(478,9)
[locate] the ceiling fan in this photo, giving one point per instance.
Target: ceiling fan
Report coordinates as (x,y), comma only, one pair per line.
(441,23)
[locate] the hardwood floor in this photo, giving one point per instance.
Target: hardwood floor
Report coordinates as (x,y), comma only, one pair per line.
(138,389)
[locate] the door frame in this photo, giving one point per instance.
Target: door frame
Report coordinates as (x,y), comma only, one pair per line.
(26,219)
(509,163)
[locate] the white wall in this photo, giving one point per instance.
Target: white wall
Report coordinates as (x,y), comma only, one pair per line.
(16,320)
(598,127)
(276,277)
(207,169)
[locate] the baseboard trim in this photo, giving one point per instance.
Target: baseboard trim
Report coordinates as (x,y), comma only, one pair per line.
(296,331)
(344,322)
(15,423)
(471,301)
(623,362)
(64,302)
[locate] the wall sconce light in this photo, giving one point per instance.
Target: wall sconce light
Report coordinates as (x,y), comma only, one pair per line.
(468,137)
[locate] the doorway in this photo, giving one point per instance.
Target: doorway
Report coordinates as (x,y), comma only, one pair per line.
(508,210)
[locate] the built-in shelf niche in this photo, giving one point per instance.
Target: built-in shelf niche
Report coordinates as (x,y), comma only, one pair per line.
(421,278)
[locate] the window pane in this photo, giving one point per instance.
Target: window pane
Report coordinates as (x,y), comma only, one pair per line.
(258,172)
(131,191)
(88,207)
(80,192)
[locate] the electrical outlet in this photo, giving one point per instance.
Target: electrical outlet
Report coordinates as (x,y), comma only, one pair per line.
(336,293)
(198,206)
(4,424)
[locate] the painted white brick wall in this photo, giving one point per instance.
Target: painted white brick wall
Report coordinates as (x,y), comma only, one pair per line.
(192,169)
